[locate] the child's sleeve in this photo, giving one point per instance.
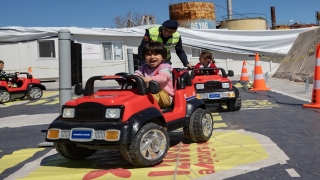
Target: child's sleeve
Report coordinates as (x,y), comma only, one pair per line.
(7,75)
(197,66)
(216,71)
(139,72)
(164,74)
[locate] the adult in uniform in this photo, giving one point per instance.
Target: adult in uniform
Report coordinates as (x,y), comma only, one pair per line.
(168,35)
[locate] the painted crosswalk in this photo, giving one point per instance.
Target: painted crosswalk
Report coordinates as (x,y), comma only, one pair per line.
(48,98)
(10,160)
(217,119)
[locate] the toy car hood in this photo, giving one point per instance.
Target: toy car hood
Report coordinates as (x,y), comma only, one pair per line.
(203,79)
(107,98)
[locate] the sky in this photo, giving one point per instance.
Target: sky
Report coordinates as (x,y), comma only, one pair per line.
(100,13)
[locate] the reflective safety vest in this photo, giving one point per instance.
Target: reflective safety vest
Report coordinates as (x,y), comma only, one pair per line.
(156,37)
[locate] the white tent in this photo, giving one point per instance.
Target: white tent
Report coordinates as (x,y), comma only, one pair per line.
(232,41)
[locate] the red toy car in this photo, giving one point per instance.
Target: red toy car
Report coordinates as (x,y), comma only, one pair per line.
(25,86)
(216,88)
(129,119)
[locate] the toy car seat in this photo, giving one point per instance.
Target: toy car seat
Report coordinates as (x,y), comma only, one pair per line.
(179,82)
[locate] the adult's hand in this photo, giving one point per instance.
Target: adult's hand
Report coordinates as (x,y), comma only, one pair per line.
(189,66)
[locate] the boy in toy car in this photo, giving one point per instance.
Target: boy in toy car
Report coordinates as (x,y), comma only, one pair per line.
(5,76)
(206,61)
(155,53)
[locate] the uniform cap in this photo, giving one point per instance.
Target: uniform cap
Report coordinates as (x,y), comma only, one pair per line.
(171,24)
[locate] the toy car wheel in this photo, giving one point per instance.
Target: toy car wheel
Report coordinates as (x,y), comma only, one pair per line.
(201,126)
(148,147)
(72,151)
(5,96)
(234,104)
(34,93)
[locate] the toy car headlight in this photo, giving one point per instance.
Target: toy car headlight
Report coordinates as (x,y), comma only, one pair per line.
(199,86)
(113,113)
(225,85)
(68,113)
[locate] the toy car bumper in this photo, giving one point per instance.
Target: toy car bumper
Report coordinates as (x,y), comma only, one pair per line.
(89,132)
(216,95)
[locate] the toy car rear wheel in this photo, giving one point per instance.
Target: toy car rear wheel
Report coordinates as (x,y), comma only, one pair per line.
(34,93)
(72,151)
(5,96)
(201,126)
(149,146)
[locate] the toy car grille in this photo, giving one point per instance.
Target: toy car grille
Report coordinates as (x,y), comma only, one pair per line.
(213,85)
(90,114)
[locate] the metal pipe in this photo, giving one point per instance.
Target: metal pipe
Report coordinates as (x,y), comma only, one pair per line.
(307,85)
(130,61)
(64,39)
(266,76)
(273,17)
(229,3)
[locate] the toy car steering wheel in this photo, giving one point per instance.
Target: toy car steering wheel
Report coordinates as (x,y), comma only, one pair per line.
(127,83)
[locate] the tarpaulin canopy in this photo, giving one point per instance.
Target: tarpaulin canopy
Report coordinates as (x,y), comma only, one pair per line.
(232,41)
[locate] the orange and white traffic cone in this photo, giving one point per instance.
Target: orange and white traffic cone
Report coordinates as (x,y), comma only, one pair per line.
(315,99)
(244,73)
(29,70)
(259,84)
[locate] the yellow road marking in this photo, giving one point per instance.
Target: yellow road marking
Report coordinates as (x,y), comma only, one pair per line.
(226,150)
(219,125)
(46,94)
(258,103)
(55,101)
(238,85)
(8,161)
(217,118)
(38,102)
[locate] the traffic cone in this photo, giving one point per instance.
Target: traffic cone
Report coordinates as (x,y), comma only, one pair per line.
(244,73)
(29,70)
(259,84)
(315,98)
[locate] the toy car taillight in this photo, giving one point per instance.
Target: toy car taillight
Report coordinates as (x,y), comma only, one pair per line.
(225,85)
(113,113)
(68,113)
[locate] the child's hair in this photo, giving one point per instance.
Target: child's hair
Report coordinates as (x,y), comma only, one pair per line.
(155,48)
(207,55)
(1,62)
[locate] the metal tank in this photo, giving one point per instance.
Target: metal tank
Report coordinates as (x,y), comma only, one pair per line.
(247,21)
(193,14)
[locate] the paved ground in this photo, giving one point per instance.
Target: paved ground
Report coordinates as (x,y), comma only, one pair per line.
(271,137)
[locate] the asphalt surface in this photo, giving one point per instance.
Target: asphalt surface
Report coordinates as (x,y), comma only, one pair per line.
(278,117)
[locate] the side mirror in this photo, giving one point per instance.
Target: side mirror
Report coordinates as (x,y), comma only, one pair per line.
(153,87)
(230,73)
(78,89)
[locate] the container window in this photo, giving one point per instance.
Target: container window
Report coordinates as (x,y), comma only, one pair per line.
(46,49)
(113,51)
(195,52)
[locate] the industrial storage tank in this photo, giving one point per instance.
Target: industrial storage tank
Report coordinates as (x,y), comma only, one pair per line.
(280,27)
(193,14)
(245,22)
